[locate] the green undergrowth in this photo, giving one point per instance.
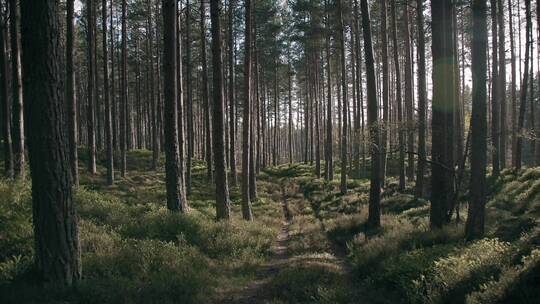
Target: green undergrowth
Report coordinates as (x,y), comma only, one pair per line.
(133,249)
(406,262)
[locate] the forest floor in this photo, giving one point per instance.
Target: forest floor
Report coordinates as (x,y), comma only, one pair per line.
(307,244)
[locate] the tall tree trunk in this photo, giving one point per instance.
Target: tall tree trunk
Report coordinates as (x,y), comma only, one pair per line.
(422,107)
(495,91)
(232,99)
(106,93)
(246,201)
(502,85)
(523,90)
(329,172)
(71,97)
(399,100)
(124,99)
(409,106)
(173,175)
(223,209)
(189,104)
(17,121)
(156,144)
(385,89)
(4,99)
(475,220)
(91,92)
(57,249)
(374,218)
(443,108)
(344,87)
(289,76)
(206,103)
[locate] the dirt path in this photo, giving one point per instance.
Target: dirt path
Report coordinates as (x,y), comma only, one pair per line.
(252,293)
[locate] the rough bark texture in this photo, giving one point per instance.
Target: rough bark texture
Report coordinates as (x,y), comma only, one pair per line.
(475,220)
(409,106)
(223,208)
(374,218)
(173,178)
(443,107)
(57,250)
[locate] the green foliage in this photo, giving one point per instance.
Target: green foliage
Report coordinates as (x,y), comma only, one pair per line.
(311,283)
(452,277)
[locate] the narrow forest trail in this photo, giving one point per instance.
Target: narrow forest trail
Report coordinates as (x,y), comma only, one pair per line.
(301,249)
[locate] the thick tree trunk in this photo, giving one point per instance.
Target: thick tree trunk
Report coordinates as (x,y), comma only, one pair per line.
(443,108)
(17,120)
(57,249)
(374,218)
(475,220)
(223,209)
(173,176)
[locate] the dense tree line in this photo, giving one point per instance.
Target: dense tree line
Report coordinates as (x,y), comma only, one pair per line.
(413,89)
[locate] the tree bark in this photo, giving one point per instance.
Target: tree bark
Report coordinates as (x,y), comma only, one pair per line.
(475,220)
(232,99)
(91,91)
(443,108)
(206,104)
(57,249)
(71,97)
(173,175)
(495,91)
(106,93)
(17,120)
(223,208)
(246,126)
(344,144)
(523,90)
(374,217)
(385,89)
(329,172)
(399,100)
(422,101)
(124,94)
